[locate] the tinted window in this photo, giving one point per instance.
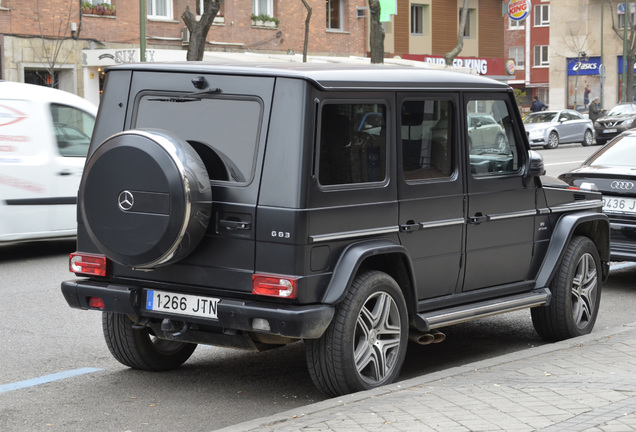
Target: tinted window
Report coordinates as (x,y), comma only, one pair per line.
(227,128)
(73,129)
(426,134)
(492,147)
(352,144)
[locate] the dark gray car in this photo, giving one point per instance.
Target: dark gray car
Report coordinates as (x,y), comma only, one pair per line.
(252,207)
(619,119)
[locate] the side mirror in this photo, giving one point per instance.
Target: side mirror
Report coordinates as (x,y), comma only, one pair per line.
(535,167)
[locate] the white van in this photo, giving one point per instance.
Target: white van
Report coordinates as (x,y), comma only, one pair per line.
(44,137)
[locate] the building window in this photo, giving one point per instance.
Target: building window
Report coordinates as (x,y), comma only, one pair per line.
(417,19)
(93,2)
(516,24)
(263,7)
(335,9)
(470,23)
(542,15)
(621,15)
(159,9)
(517,53)
(541,55)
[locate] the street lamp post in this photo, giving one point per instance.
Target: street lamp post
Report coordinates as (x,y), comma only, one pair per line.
(142,30)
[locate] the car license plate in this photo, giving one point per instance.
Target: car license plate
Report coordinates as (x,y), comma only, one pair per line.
(610,130)
(181,304)
(619,205)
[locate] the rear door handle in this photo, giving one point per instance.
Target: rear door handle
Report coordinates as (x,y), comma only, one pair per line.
(409,227)
(234,225)
(478,218)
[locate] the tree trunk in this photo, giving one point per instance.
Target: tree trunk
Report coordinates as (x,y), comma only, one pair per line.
(306,31)
(199,29)
(450,56)
(376,34)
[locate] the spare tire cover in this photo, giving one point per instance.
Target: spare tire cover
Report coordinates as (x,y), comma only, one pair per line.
(145,198)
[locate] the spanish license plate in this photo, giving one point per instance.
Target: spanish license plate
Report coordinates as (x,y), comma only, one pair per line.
(610,130)
(181,304)
(619,205)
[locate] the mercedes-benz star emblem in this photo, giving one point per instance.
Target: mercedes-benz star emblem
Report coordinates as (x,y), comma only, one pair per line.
(126,200)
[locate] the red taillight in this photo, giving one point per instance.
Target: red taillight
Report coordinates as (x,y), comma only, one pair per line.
(96,302)
(274,286)
(88,264)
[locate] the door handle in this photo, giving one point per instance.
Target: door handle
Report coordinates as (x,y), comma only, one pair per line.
(65,173)
(478,218)
(234,225)
(409,227)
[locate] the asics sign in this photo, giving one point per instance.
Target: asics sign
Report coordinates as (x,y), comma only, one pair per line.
(590,66)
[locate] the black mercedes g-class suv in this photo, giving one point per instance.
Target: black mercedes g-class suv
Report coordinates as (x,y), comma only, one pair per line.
(351,207)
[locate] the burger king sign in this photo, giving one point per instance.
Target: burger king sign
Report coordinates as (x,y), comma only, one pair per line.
(518,9)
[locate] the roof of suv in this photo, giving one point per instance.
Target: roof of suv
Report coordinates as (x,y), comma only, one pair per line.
(336,76)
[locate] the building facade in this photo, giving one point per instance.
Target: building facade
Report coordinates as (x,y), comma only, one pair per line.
(427,29)
(67,43)
(527,46)
(587,52)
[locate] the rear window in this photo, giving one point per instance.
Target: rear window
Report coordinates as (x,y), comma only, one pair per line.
(622,152)
(223,130)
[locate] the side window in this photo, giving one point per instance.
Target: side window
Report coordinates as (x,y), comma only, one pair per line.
(73,129)
(426,133)
(490,138)
(352,144)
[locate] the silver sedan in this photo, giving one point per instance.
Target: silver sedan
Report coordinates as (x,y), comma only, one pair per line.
(551,128)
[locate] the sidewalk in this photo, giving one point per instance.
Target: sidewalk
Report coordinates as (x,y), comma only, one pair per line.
(583,384)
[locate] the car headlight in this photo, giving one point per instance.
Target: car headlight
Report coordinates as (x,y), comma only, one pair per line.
(537,132)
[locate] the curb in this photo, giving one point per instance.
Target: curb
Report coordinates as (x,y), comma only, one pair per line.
(318,407)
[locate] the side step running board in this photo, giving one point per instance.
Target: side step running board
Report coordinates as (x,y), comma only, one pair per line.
(441,318)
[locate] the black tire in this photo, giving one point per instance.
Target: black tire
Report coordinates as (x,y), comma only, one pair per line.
(365,345)
(588,138)
(576,294)
(138,349)
(553,141)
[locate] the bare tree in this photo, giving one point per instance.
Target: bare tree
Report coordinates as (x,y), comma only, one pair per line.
(306,31)
(631,48)
(376,36)
(51,50)
(450,56)
(576,43)
(199,29)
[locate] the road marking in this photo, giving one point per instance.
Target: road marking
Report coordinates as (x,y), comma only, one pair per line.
(46,379)
(564,163)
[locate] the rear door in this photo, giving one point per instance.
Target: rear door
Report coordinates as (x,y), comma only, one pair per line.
(501,207)
(431,191)
(226,123)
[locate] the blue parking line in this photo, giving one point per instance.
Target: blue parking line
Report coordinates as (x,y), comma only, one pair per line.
(46,379)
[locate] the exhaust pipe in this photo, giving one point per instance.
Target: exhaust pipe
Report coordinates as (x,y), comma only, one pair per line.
(435,336)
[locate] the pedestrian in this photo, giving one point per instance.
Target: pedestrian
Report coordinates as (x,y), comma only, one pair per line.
(537,105)
(595,110)
(586,95)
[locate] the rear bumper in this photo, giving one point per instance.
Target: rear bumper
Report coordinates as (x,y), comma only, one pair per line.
(293,321)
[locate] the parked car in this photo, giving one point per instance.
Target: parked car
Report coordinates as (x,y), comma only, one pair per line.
(612,171)
(44,137)
(619,119)
(551,128)
(318,231)
(485,132)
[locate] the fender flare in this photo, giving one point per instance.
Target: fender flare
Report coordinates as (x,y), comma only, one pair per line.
(565,228)
(352,258)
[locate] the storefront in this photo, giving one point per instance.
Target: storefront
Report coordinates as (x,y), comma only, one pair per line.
(584,82)
(619,89)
